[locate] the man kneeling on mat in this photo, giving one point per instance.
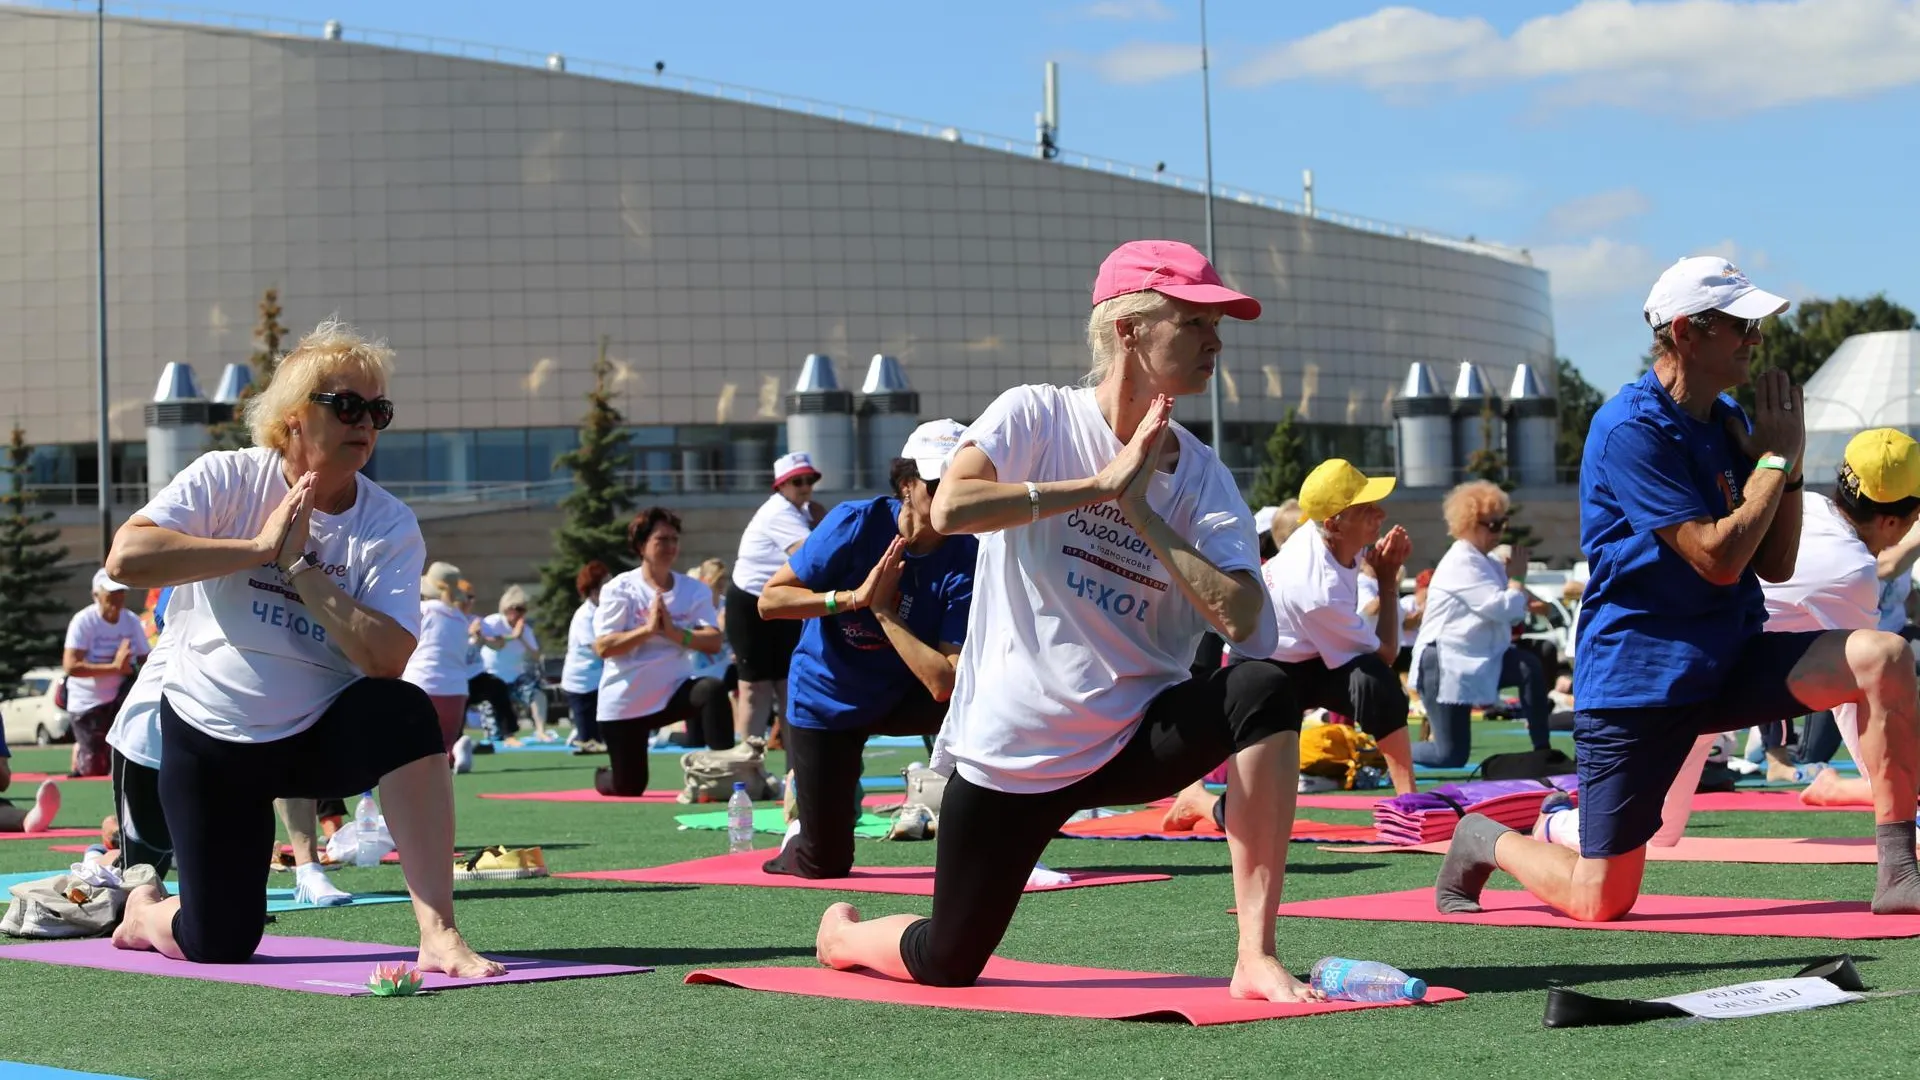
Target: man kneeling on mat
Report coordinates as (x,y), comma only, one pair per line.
(886,600)
(1684,508)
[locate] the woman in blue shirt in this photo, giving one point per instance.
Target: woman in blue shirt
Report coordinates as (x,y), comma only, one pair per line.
(886,600)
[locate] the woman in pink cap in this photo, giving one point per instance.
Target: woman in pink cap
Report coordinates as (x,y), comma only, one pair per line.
(762,647)
(1110,540)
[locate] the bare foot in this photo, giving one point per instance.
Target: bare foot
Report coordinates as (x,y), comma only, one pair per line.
(449,954)
(1780,765)
(131,933)
(826,942)
(1193,805)
(1262,978)
(46,803)
(1831,789)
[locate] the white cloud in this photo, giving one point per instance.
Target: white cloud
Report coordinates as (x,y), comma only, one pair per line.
(1127,11)
(1486,189)
(1589,214)
(1598,267)
(1145,62)
(1708,57)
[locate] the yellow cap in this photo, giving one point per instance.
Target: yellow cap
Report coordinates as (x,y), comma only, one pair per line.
(1884,463)
(1334,485)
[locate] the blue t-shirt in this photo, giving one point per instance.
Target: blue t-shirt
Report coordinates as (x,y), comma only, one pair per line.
(846,673)
(1652,631)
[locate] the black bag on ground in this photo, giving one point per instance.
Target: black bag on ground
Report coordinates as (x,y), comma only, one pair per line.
(1527,765)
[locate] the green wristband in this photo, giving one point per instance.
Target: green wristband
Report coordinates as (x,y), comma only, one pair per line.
(686,639)
(833,605)
(1773,461)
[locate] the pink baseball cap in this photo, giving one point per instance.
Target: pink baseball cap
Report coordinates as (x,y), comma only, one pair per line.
(1171,268)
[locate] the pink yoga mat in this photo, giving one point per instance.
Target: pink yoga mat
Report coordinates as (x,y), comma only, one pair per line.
(1786,850)
(588,795)
(1731,916)
(1145,825)
(312,965)
(54,834)
(37,777)
(744,869)
(1015,986)
(1761,800)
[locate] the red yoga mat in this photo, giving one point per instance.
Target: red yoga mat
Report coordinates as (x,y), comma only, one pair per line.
(1783,850)
(1015,986)
(54,834)
(743,868)
(661,798)
(1761,800)
(1362,800)
(1720,915)
(1145,825)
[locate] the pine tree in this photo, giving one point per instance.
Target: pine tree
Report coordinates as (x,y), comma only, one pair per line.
(30,555)
(267,335)
(1285,469)
(596,509)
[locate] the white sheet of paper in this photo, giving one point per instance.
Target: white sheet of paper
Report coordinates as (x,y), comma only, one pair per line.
(1762,997)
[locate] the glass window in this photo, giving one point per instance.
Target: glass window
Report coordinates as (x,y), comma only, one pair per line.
(500,455)
(449,456)
(399,457)
(546,444)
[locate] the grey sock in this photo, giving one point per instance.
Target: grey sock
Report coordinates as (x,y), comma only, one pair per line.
(1469,863)
(1897,891)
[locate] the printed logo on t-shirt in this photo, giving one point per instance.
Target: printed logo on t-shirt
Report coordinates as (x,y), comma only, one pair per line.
(1729,491)
(1125,559)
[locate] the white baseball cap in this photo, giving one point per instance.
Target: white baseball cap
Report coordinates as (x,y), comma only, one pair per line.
(788,466)
(1263,518)
(102,582)
(931,444)
(1708,283)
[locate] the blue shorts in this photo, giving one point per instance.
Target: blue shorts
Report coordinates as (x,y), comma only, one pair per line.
(1628,758)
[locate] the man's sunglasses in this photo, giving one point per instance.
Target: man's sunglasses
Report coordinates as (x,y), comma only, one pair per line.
(349,407)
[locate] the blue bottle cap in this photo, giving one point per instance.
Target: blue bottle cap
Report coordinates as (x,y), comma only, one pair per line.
(1415,990)
(739,785)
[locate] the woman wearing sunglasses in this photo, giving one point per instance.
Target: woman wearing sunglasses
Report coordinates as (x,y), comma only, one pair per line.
(298,609)
(762,647)
(1465,652)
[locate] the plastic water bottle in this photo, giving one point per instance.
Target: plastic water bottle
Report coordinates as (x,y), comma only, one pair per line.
(366,832)
(739,819)
(1365,980)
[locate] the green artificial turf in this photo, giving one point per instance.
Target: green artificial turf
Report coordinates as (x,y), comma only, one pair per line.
(651,1025)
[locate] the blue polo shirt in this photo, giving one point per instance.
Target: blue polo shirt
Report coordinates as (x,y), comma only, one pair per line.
(1652,631)
(846,673)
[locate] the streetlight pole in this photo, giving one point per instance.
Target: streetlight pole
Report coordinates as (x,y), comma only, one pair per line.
(1206,126)
(105,449)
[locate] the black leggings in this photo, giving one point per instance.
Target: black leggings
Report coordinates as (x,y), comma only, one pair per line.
(1364,688)
(487,687)
(989,840)
(701,702)
(826,773)
(218,797)
(143,821)
(762,648)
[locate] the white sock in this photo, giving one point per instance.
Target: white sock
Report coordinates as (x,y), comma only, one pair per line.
(46,804)
(1560,827)
(315,887)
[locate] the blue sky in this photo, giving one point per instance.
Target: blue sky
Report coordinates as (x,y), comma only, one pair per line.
(1608,137)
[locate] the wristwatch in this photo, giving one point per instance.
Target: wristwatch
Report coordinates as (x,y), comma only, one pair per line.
(305,561)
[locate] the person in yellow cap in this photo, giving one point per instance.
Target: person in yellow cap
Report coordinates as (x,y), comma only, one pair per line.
(1835,586)
(1333,657)
(1688,503)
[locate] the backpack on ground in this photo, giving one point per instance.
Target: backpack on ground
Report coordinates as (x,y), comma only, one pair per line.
(711,774)
(1527,765)
(1338,752)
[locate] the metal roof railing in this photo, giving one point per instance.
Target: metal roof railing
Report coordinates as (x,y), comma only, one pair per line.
(152,11)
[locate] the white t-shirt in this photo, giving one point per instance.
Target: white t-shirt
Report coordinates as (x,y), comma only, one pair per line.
(136,731)
(1316,602)
(581,672)
(1472,609)
(1835,583)
(1369,591)
(252,665)
(439,661)
(641,681)
(98,640)
(1076,626)
(1893,603)
(776,526)
(514,657)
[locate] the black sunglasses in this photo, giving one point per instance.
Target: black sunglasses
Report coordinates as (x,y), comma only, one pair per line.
(1498,524)
(349,407)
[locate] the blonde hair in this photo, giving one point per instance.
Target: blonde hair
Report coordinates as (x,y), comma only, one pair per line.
(514,597)
(1286,518)
(441,580)
(711,571)
(1468,503)
(332,347)
(1103,341)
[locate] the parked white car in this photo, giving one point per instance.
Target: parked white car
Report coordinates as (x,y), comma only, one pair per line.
(30,714)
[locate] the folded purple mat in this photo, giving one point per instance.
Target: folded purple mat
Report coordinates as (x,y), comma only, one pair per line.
(1466,793)
(312,965)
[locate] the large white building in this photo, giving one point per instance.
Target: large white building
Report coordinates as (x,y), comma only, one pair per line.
(495,218)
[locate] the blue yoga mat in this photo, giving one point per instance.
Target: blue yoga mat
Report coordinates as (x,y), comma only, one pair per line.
(278,900)
(16,1070)
(530,747)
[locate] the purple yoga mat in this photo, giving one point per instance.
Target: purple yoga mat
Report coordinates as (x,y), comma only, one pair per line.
(312,965)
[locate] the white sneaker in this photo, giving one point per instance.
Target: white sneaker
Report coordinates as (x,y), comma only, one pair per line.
(463,755)
(314,887)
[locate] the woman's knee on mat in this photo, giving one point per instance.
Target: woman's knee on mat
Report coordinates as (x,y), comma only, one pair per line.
(945,967)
